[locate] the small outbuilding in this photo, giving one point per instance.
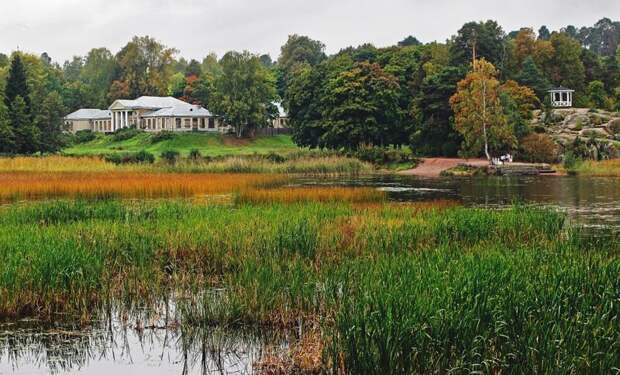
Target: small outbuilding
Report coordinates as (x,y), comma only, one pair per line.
(561,97)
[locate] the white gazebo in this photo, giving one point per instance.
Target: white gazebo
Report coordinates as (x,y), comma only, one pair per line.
(561,97)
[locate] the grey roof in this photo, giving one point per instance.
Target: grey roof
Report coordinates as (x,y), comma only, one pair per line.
(184,111)
(152,102)
(89,114)
(560,88)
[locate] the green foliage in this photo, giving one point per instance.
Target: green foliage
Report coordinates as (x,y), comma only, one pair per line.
(433,132)
(16,85)
(83,136)
(532,77)
(141,157)
(7,137)
(170,156)
(194,154)
(383,156)
(124,134)
(361,108)
(50,123)
(488,38)
(26,133)
(597,95)
(164,135)
(243,93)
(145,66)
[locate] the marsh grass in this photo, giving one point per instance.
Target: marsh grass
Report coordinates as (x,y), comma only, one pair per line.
(604,168)
(309,194)
(121,184)
(409,288)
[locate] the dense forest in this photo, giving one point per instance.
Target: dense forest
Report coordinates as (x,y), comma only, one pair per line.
(412,93)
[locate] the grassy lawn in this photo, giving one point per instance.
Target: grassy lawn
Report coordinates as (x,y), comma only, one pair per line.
(207,144)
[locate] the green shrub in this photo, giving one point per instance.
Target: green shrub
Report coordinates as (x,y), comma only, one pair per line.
(381,155)
(163,135)
(145,157)
(130,157)
(125,134)
(195,154)
(83,136)
(171,156)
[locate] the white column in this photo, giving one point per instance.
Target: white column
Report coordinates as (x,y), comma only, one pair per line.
(126,119)
(113,121)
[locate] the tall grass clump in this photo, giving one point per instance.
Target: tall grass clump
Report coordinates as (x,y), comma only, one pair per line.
(392,288)
(309,194)
(120,184)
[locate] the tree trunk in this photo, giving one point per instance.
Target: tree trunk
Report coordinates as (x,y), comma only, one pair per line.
(484,119)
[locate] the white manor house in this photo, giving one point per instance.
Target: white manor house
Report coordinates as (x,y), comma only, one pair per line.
(152,113)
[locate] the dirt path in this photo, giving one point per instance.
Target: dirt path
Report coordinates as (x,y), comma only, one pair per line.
(432,167)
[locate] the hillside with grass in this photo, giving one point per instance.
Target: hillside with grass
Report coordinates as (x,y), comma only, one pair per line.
(206,144)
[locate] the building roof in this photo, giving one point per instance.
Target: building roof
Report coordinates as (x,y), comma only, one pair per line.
(89,114)
(184,111)
(560,88)
(151,102)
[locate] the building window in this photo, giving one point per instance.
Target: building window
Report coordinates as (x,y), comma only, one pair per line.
(188,123)
(195,123)
(202,123)
(178,123)
(211,123)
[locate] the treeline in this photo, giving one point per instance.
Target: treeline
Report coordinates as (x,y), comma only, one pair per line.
(398,95)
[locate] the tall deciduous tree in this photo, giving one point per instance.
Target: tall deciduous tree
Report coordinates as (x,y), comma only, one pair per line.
(486,38)
(361,108)
(298,50)
(243,93)
(479,115)
(98,73)
(567,68)
(434,133)
(146,66)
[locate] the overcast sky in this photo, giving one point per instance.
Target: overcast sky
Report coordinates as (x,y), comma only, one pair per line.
(64,28)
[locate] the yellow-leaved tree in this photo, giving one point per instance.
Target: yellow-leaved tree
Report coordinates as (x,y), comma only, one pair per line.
(478,113)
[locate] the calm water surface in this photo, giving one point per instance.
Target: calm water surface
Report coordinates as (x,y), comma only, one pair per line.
(161,347)
(589,201)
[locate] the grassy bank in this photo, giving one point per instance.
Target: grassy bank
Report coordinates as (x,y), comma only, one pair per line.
(604,168)
(423,288)
(311,163)
(207,144)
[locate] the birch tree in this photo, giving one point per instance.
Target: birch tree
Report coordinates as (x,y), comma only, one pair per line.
(478,112)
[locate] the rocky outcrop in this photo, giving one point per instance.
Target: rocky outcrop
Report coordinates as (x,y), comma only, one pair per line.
(567,124)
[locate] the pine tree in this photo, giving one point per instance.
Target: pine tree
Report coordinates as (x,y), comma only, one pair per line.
(532,77)
(16,84)
(26,134)
(7,137)
(50,123)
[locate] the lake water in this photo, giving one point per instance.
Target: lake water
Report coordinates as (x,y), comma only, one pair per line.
(590,201)
(159,347)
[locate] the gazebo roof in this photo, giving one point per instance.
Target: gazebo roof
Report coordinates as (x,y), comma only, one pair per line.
(560,88)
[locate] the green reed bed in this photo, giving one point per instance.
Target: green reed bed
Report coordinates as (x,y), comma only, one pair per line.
(393,288)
